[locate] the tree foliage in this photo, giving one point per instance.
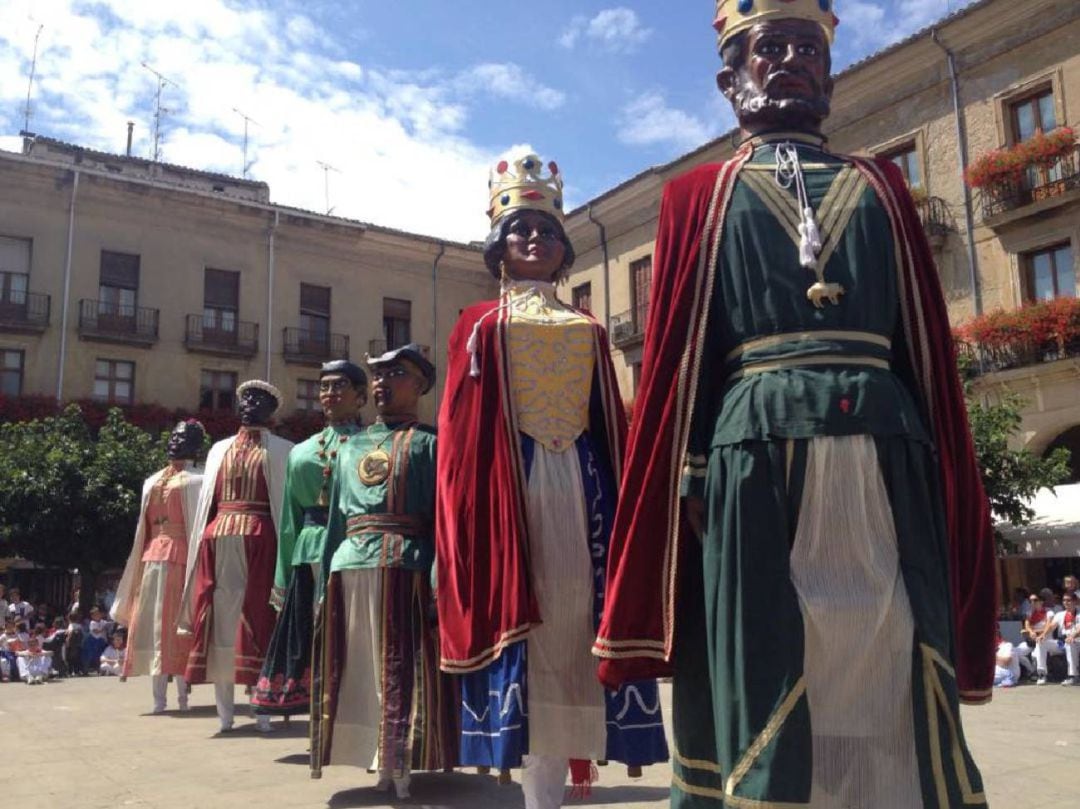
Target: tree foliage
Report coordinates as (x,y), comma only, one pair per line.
(1011,476)
(70,495)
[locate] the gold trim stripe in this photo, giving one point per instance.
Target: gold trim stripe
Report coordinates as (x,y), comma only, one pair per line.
(622,644)
(488,655)
(772,727)
(798,336)
(805,362)
(731,800)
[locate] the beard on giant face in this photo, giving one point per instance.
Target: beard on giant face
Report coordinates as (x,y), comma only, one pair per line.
(774,107)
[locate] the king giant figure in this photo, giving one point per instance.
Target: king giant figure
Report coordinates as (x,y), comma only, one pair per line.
(802,538)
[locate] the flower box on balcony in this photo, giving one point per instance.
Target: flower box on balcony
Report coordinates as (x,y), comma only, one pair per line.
(1036,333)
(1010,162)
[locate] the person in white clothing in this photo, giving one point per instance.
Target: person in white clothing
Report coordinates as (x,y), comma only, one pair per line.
(3,601)
(112,659)
(1068,632)
(1039,629)
(35,664)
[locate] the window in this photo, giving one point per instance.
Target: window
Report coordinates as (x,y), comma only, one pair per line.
(11,372)
(1049,273)
(217,390)
(114,382)
(907,159)
(221,303)
(14,270)
(1032,112)
(581,296)
(641,286)
(315,314)
(118,292)
(397,319)
(307,396)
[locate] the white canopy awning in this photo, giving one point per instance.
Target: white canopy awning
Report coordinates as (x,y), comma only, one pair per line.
(1055,531)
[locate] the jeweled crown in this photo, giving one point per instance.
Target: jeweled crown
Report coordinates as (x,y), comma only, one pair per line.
(523,184)
(733,16)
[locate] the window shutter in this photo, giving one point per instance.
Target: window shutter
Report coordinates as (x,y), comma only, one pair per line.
(221,289)
(396,308)
(119,270)
(14,255)
(314,299)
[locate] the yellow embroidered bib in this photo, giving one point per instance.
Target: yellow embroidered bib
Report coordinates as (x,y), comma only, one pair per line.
(551,365)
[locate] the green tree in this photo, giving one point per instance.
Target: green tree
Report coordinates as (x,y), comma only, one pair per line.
(69,497)
(1011,476)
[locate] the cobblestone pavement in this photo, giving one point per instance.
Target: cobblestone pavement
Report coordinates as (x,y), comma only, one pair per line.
(89,743)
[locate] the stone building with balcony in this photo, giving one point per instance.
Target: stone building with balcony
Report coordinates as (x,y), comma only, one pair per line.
(128,281)
(989,76)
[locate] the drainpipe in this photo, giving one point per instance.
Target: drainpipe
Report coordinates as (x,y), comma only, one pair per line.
(435,315)
(961,145)
(67,289)
(604,254)
(270,290)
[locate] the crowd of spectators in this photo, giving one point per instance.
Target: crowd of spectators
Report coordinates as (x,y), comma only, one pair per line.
(1049,647)
(37,644)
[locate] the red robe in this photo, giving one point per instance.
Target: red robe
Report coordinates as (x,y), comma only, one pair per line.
(485,592)
(636,634)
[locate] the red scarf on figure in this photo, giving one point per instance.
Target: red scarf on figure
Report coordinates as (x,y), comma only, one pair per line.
(636,635)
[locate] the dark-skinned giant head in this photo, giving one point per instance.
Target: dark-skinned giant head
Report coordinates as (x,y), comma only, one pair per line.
(777,62)
(185,441)
(257,402)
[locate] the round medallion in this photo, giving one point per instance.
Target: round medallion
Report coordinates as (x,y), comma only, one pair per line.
(374,468)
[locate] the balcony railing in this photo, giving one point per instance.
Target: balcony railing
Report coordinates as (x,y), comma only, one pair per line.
(313,347)
(210,336)
(979,359)
(114,323)
(24,312)
(377,348)
(936,218)
(628,328)
(1037,183)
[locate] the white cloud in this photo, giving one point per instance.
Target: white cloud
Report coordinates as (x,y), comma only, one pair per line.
(509,81)
(617,30)
(648,121)
(387,132)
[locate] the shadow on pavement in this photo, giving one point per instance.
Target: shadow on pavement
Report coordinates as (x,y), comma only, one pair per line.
(294,758)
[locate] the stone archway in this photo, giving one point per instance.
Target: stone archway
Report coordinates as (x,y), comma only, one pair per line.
(1070,439)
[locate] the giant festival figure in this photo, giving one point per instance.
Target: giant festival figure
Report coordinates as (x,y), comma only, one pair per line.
(148,598)
(378,698)
(226,604)
(284,686)
(531,436)
(802,536)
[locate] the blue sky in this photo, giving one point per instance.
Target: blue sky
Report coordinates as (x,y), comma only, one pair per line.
(410,101)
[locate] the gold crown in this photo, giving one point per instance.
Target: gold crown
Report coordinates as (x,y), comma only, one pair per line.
(733,16)
(524,186)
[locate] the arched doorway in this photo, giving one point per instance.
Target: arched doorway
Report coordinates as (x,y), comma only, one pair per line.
(1070,439)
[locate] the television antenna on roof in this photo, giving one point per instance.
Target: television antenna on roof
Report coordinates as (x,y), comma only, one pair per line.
(30,83)
(327,168)
(162,82)
(247,120)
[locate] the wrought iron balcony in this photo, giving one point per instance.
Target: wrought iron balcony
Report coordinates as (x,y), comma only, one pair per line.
(978,359)
(212,336)
(628,328)
(377,348)
(24,312)
(937,219)
(1036,184)
(115,323)
(314,347)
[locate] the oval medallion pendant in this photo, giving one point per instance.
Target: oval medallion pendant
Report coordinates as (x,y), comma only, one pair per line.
(374,468)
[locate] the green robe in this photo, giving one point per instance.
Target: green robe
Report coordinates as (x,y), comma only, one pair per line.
(743,729)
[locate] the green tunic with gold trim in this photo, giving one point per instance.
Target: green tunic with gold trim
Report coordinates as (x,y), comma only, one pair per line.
(822,607)
(378,606)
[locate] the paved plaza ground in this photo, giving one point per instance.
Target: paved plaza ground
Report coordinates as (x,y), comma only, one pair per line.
(89,743)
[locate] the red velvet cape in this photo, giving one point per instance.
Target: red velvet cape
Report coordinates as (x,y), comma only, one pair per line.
(635,639)
(485,594)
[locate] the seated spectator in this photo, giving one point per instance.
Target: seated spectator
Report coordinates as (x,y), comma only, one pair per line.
(1069,585)
(1039,627)
(18,609)
(35,664)
(54,642)
(1068,632)
(3,602)
(10,645)
(1050,601)
(96,641)
(44,613)
(112,659)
